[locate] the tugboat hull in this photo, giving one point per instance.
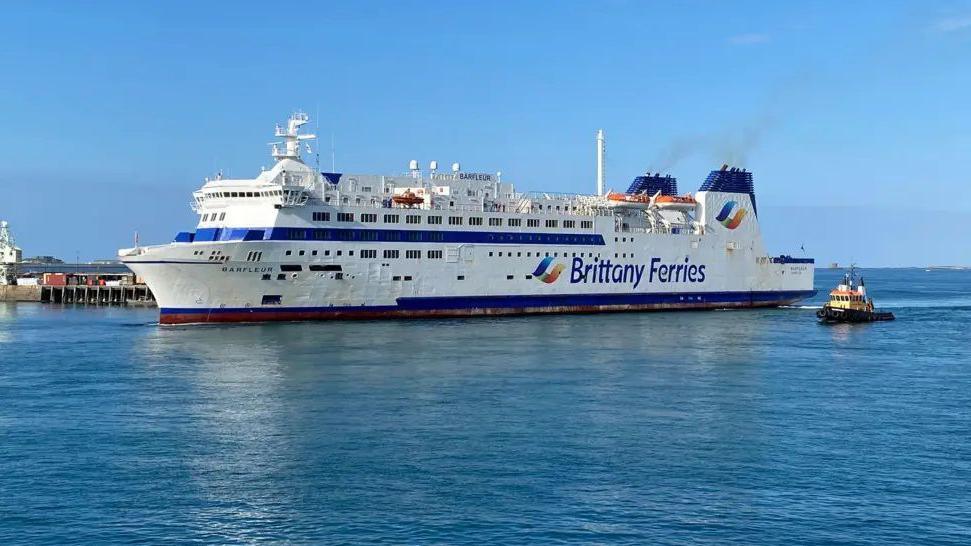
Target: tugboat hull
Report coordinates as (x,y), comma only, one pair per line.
(833,315)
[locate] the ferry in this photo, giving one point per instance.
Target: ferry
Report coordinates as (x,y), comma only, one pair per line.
(296,243)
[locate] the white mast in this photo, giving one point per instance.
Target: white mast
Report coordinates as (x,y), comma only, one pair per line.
(601,167)
(291,137)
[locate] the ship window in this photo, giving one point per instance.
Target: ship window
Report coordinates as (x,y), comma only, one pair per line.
(313,253)
(289,252)
(345,216)
(413,254)
(302,252)
(291,267)
(495,221)
(509,277)
(514,222)
(412,219)
(437,254)
(339,252)
(328,267)
(490,254)
(460,278)
(369,253)
(369,217)
(475,221)
(586,224)
(434,219)
(321,217)
(390,253)
(326,253)
(396,278)
(532,223)
(569,224)
(529,276)
(272,300)
(407,277)
(455,220)
(390,218)
(551,223)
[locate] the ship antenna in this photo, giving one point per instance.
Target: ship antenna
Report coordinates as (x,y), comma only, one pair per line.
(317,131)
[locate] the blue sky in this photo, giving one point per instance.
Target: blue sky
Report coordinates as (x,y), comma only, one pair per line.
(851,114)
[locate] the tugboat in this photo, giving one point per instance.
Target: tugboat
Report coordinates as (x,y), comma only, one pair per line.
(848,303)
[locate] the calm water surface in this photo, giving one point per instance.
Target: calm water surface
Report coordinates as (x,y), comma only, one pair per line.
(682,428)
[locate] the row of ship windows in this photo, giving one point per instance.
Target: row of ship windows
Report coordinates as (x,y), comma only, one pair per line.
(269,193)
(372,253)
(213,217)
(437,254)
(452,220)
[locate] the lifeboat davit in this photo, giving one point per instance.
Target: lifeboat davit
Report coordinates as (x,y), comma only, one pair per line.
(628,200)
(682,203)
(407,198)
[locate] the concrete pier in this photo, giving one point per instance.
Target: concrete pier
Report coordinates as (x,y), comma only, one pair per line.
(129,294)
(133,294)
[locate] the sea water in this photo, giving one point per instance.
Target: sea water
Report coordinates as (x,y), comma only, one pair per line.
(755,426)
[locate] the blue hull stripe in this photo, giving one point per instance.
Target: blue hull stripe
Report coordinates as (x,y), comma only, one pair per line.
(688,299)
(386,236)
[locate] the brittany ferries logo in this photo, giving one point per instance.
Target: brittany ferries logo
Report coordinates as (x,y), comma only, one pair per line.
(608,272)
(553,274)
(725,217)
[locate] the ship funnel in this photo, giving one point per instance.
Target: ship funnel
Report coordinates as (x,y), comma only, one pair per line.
(731,181)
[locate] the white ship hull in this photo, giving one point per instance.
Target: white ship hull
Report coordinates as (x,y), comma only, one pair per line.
(340,249)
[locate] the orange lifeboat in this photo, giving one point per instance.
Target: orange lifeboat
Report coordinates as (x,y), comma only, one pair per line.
(407,198)
(682,203)
(628,200)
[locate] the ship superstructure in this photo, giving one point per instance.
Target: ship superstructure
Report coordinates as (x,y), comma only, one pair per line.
(298,244)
